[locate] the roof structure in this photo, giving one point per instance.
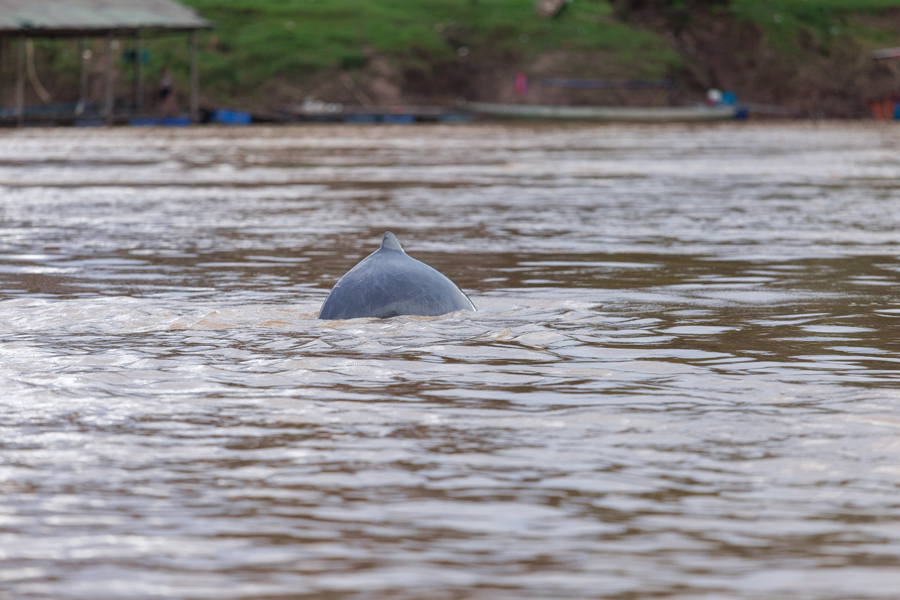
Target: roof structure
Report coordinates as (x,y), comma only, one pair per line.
(94,17)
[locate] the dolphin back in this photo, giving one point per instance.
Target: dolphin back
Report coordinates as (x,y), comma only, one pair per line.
(390,283)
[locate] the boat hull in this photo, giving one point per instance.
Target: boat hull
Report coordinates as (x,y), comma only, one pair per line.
(603,113)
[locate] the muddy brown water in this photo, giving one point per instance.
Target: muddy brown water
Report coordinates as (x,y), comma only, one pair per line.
(683,380)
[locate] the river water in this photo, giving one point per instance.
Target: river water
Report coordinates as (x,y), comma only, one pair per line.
(682,381)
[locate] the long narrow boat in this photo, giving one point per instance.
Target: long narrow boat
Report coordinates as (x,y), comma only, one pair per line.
(660,114)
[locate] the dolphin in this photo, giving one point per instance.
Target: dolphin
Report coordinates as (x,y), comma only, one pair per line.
(390,283)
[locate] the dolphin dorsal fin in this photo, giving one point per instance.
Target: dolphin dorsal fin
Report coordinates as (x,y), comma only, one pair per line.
(390,242)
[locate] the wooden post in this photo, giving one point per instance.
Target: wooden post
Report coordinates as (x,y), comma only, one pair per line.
(195,81)
(108,67)
(138,87)
(20,81)
(4,50)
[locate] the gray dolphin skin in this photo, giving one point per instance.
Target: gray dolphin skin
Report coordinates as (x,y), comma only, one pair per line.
(390,283)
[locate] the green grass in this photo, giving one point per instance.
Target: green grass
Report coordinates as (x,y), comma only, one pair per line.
(826,20)
(257,40)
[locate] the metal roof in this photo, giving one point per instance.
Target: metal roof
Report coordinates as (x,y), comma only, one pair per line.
(81,17)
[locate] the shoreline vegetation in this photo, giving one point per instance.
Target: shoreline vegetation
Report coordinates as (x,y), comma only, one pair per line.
(811,57)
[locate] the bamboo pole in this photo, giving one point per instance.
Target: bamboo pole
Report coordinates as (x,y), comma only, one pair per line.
(138,83)
(20,81)
(195,81)
(108,67)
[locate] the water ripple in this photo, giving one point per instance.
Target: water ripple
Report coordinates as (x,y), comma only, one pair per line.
(682,380)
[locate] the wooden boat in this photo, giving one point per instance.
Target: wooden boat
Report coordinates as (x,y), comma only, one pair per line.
(662,114)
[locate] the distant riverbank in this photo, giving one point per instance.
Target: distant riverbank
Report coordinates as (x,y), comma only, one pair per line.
(265,55)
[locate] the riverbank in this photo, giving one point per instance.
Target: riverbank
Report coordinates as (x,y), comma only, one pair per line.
(266,56)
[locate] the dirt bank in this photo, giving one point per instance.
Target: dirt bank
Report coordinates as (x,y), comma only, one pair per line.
(811,78)
(810,65)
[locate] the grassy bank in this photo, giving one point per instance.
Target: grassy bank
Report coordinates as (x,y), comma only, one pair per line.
(265,53)
(258,40)
(788,22)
